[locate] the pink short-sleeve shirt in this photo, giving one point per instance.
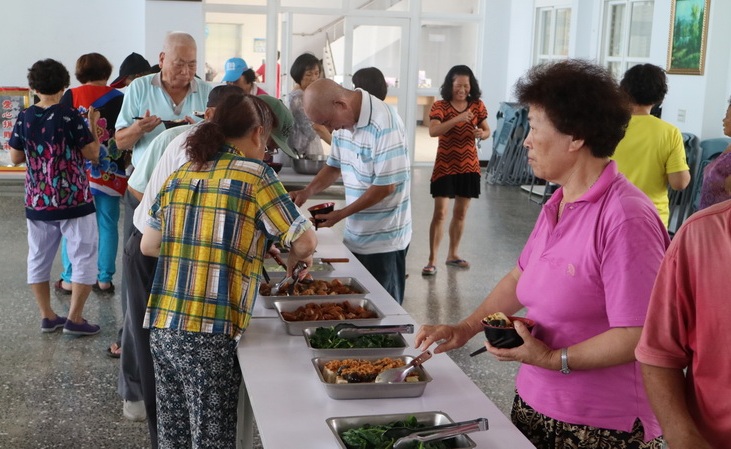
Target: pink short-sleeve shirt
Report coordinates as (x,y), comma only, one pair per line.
(589,272)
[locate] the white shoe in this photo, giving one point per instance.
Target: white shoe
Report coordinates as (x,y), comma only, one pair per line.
(134,410)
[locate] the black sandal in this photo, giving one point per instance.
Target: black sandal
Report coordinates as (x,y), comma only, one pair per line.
(114,350)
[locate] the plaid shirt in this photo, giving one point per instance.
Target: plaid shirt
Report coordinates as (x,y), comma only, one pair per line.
(214,225)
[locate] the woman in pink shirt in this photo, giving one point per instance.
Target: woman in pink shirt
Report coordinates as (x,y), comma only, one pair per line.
(584,276)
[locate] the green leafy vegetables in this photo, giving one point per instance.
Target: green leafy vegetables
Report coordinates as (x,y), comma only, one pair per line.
(371,436)
(327,338)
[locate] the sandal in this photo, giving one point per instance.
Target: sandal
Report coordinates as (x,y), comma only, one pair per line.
(114,350)
(103,291)
(429,270)
(460,263)
(58,287)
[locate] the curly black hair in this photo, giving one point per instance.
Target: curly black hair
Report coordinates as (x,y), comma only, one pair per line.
(581,99)
(93,67)
(48,77)
(460,70)
(646,84)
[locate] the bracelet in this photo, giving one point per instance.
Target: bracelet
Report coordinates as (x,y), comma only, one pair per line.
(565,361)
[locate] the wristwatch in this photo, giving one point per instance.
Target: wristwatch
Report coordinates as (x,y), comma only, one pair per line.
(565,361)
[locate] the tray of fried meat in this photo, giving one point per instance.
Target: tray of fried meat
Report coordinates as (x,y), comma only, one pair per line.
(319,287)
(299,314)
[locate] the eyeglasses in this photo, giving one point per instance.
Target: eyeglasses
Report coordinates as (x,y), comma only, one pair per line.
(269,150)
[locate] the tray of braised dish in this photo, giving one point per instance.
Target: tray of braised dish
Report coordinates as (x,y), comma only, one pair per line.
(354,378)
(368,431)
(332,341)
(317,288)
(299,314)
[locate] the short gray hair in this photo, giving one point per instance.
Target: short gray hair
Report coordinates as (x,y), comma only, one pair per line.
(177,38)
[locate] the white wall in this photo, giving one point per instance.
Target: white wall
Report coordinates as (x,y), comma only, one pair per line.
(162,17)
(64,30)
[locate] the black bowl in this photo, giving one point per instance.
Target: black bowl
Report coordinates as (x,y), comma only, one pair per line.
(324,208)
(173,123)
(505,337)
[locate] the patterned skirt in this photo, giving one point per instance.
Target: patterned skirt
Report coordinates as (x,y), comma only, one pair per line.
(548,433)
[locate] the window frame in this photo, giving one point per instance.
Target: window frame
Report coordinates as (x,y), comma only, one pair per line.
(539,31)
(623,60)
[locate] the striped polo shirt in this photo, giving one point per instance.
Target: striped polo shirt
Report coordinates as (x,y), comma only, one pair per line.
(375,153)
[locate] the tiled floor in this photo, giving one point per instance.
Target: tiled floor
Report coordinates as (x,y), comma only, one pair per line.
(60,392)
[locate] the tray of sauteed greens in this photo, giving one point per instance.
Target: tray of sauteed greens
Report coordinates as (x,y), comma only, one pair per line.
(372,432)
(350,340)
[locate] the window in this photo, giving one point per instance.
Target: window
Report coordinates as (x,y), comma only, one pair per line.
(553,24)
(627,34)
(223,41)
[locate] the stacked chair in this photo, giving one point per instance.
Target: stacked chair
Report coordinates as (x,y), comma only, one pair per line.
(509,163)
(681,201)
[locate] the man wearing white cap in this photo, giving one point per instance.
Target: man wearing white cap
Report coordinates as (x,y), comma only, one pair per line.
(240,74)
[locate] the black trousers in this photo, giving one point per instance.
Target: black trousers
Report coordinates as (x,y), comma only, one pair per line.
(138,273)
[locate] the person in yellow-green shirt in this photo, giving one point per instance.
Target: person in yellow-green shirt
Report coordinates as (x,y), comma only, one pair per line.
(651,154)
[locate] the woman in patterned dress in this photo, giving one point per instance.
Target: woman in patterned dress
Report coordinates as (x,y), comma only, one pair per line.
(458,119)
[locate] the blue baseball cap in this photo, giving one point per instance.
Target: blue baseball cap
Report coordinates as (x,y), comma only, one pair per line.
(234,67)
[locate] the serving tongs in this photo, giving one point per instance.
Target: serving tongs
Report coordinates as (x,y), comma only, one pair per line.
(396,375)
(347,330)
(290,281)
(405,436)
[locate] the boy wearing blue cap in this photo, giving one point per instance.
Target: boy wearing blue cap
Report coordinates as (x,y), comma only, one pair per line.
(240,74)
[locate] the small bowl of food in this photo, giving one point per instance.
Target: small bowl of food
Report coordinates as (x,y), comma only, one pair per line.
(500,332)
(173,123)
(324,208)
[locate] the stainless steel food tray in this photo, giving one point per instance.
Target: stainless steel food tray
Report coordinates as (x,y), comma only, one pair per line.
(356,352)
(373,390)
(268,301)
(340,424)
(296,327)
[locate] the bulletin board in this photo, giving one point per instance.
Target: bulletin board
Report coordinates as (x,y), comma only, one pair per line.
(12,101)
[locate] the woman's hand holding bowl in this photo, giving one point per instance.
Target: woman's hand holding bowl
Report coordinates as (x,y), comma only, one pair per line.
(532,352)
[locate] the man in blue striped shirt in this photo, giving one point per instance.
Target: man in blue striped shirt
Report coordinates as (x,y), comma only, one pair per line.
(369,151)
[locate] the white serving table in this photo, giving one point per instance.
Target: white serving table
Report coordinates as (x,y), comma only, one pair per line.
(330,245)
(282,391)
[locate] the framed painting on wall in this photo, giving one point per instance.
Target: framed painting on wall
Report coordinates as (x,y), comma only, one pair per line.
(688,34)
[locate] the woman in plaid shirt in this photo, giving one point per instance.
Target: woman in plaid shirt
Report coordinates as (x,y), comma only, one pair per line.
(208,226)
